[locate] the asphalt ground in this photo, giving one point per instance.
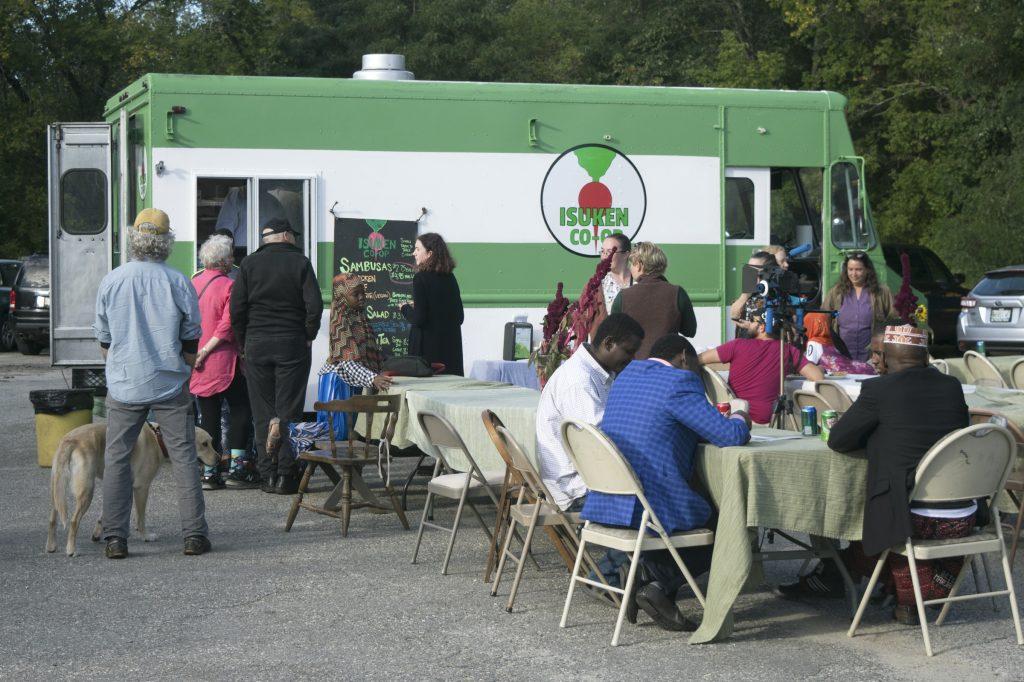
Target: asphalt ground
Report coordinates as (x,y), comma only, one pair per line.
(266,604)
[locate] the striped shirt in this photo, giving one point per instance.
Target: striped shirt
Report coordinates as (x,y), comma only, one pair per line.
(577,390)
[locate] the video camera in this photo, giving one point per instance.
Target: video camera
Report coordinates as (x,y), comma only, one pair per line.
(774,294)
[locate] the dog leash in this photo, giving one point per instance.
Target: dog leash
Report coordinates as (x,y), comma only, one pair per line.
(159,438)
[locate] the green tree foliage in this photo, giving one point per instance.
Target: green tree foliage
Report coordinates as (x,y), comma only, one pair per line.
(935,86)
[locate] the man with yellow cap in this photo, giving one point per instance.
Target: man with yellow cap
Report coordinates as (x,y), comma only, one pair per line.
(147,324)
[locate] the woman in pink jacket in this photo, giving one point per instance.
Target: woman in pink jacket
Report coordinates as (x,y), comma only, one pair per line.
(217,376)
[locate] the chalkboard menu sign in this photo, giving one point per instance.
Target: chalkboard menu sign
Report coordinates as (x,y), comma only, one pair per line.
(380,253)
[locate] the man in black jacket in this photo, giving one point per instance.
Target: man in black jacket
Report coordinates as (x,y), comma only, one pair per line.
(275,315)
(897,418)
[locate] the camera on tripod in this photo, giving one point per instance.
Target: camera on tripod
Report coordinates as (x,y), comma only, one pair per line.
(774,295)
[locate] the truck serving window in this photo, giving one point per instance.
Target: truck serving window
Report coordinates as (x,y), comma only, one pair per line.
(283,199)
(739,208)
(221,204)
(83,201)
(850,228)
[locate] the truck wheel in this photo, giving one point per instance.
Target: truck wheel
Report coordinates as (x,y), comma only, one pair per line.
(7,341)
(26,347)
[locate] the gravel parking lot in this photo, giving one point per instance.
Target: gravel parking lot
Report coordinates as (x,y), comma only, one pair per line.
(309,604)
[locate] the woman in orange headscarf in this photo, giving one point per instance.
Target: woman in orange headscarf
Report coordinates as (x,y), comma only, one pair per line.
(823,352)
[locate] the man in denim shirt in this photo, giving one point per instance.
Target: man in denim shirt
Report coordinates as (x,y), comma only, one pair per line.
(147,323)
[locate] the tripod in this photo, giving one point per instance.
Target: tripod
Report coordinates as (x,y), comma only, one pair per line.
(783,409)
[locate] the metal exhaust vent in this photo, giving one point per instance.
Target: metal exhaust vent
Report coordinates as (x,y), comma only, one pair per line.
(383,67)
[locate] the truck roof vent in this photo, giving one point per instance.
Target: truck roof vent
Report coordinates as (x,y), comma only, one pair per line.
(383,67)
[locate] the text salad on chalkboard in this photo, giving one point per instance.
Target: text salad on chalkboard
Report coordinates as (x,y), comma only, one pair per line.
(380,253)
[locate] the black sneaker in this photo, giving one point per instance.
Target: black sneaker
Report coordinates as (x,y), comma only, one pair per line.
(212,482)
(117,548)
(824,582)
(242,479)
(196,545)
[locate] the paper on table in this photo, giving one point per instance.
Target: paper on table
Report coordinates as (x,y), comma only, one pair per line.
(763,438)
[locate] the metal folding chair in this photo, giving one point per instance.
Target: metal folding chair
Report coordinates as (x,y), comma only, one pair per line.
(834,395)
(802,399)
(603,469)
(1015,481)
(451,483)
(940,365)
(715,387)
(1017,375)
(350,457)
(968,464)
(533,508)
(983,371)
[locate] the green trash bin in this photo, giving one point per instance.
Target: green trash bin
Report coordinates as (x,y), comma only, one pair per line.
(57,413)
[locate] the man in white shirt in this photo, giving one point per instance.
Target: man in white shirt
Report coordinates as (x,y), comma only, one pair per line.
(579,390)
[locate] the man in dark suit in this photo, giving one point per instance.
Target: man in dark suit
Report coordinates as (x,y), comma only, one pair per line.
(897,418)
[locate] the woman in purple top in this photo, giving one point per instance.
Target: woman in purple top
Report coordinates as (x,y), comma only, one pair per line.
(862,302)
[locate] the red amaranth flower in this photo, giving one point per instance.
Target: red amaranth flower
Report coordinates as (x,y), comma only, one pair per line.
(905,302)
(589,305)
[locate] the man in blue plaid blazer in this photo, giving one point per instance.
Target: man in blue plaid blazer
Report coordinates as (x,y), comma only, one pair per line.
(656,414)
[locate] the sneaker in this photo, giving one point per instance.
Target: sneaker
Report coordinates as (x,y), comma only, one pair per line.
(212,482)
(824,582)
(242,479)
(269,484)
(117,548)
(196,545)
(286,485)
(662,610)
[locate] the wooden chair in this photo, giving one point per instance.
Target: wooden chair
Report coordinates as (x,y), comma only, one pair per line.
(533,508)
(1017,375)
(509,489)
(983,371)
(968,464)
(715,387)
(349,457)
(1015,481)
(834,394)
(451,483)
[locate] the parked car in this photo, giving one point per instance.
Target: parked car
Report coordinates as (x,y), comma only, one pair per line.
(992,312)
(930,276)
(30,305)
(9,270)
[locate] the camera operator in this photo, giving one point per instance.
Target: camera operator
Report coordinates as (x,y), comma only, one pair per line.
(753,359)
(738,309)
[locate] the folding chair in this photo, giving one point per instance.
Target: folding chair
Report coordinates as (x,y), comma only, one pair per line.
(983,371)
(1015,482)
(509,488)
(534,508)
(802,399)
(834,395)
(351,459)
(455,485)
(940,365)
(968,464)
(715,387)
(1017,375)
(603,469)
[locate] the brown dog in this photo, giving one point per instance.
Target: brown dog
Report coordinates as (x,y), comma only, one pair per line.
(80,452)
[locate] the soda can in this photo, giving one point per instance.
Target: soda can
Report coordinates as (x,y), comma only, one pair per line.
(980,347)
(810,421)
(828,420)
(724,409)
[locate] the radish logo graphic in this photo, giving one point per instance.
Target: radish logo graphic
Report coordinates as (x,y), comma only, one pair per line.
(376,245)
(590,192)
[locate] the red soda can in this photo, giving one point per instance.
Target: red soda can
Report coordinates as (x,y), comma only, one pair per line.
(724,409)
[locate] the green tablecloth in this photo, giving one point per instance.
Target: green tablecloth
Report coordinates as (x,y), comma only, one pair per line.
(406,427)
(1004,363)
(515,406)
(797,485)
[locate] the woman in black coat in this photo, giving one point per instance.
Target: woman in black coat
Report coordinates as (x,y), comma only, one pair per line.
(436,310)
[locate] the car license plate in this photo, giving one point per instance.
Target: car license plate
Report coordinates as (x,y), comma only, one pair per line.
(1000,315)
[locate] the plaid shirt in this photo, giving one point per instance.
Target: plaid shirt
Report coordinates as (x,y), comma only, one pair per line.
(351,372)
(656,414)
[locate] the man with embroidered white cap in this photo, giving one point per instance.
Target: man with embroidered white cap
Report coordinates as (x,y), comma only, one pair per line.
(897,418)
(147,325)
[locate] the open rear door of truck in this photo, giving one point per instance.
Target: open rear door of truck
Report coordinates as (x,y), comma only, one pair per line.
(80,229)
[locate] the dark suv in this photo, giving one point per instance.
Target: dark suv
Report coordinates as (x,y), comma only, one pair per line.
(9,270)
(30,306)
(930,276)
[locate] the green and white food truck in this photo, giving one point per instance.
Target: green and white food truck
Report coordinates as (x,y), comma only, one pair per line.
(523,180)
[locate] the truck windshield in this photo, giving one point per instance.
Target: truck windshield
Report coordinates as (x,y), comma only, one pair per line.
(851,228)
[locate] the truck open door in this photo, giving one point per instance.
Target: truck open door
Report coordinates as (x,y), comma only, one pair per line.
(80,234)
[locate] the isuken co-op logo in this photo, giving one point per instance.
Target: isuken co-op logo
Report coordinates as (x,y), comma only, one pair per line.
(590,192)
